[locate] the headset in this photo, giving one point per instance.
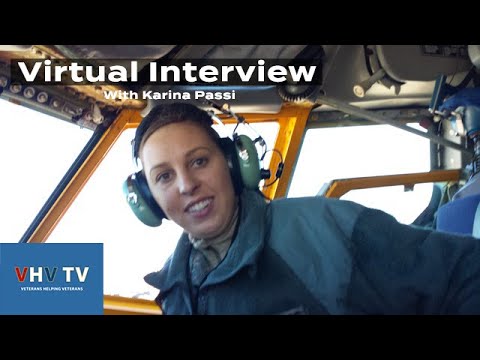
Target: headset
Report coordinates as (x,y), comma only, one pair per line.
(242,159)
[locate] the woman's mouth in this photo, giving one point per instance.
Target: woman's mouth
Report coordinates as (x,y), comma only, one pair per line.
(200,208)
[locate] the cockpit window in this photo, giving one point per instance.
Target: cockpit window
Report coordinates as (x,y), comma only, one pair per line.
(359,151)
(37,150)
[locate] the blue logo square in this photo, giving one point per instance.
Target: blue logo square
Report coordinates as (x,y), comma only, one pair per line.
(51,279)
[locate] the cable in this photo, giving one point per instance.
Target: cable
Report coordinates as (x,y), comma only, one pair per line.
(280,167)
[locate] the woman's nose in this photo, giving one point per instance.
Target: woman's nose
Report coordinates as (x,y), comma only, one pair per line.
(187,183)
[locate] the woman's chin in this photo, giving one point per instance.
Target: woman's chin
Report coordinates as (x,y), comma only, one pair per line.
(205,232)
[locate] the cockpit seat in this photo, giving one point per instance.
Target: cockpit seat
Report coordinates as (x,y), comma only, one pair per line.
(460,216)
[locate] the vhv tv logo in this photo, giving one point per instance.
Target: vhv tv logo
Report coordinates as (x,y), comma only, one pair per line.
(38,274)
(51,278)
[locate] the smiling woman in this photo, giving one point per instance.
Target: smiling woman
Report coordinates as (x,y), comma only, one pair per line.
(193,162)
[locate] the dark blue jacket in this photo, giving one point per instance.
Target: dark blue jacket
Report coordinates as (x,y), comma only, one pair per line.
(325,256)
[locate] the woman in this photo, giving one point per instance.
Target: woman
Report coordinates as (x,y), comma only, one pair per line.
(240,254)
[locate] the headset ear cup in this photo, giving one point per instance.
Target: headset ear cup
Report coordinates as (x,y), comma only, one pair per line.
(249,163)
(141,201)
(242,158)
(230,152)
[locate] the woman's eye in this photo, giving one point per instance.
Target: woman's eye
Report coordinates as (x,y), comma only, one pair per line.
(163,177)
(200,162)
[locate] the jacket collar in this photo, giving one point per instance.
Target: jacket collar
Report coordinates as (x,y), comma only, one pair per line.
(244,250)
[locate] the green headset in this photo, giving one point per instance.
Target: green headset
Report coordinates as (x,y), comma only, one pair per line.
(240,153)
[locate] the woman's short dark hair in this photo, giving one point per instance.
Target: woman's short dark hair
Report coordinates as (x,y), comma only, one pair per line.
(165,114)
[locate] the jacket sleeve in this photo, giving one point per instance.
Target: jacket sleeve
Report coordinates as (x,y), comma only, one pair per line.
(402,269)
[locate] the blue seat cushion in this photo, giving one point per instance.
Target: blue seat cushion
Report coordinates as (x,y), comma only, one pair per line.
(458,216)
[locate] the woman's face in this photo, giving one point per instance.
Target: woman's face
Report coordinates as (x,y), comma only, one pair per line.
(189,178)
